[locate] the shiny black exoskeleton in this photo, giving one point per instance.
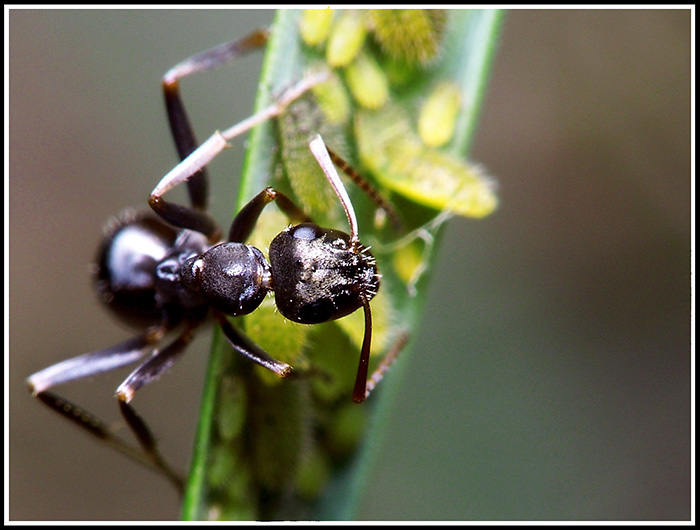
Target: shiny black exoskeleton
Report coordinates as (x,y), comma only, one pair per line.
(148,273)
(151,274)
(318,274)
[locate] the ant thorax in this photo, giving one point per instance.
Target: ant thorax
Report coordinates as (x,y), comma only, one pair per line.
(231,277)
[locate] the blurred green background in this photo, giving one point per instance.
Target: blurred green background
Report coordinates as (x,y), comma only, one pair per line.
(551,376)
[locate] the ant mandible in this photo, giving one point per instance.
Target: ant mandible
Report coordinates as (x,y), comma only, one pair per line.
(171,271)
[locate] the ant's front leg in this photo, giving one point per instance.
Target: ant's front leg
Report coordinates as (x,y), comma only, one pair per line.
(246,347)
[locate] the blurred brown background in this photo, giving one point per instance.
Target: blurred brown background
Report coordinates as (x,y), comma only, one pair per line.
(551,376)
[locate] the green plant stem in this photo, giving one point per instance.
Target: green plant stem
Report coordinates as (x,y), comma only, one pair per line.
(469,49)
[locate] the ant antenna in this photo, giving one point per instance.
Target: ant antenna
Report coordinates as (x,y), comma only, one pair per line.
(319,150)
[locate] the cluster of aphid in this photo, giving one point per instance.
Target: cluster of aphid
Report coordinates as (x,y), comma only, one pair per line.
(384,57)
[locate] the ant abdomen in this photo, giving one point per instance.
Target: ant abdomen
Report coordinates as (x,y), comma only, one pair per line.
(125,267)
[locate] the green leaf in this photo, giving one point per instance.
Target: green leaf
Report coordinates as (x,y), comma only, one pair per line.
(271,449)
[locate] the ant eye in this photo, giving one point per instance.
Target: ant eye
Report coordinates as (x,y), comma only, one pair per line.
(317,312)
(307,232)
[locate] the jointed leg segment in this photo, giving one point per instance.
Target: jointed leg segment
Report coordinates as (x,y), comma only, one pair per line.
(180,127)
(244,222)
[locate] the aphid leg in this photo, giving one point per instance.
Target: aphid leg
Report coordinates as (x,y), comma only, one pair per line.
(159,362)
(368,189)
(385,364)
(94,362)
(98,429)
(425,233)
(182,131)
(248,348)
(245,220)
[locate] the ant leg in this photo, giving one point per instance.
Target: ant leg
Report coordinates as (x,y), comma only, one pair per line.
(95,427)
(184,217)
(245,220)
(149,445)
(94,362)
(189,218)
(195,218)
(158,363)
(248,348)
(180,126)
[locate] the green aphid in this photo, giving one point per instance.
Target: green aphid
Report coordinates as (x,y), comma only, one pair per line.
(314,25)
(400,73)
(411,35)
(304,120)
(230,484)
(368,83)
(235,510)
(334,359)
(333,100)
(231,402)
(388,146)
(226,464)
(313,474)
(408,262)
(279,432)
(345,430)
(281,338)
(346,38)
(438,115)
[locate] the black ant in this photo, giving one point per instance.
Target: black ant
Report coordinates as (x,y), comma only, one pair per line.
(171,271)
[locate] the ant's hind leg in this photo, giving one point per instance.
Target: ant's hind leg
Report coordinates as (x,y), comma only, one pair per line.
(148,455)
(194,217)
(158,363)
(149,445)
(94,362)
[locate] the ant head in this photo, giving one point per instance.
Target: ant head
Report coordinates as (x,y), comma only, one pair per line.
(320,274)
